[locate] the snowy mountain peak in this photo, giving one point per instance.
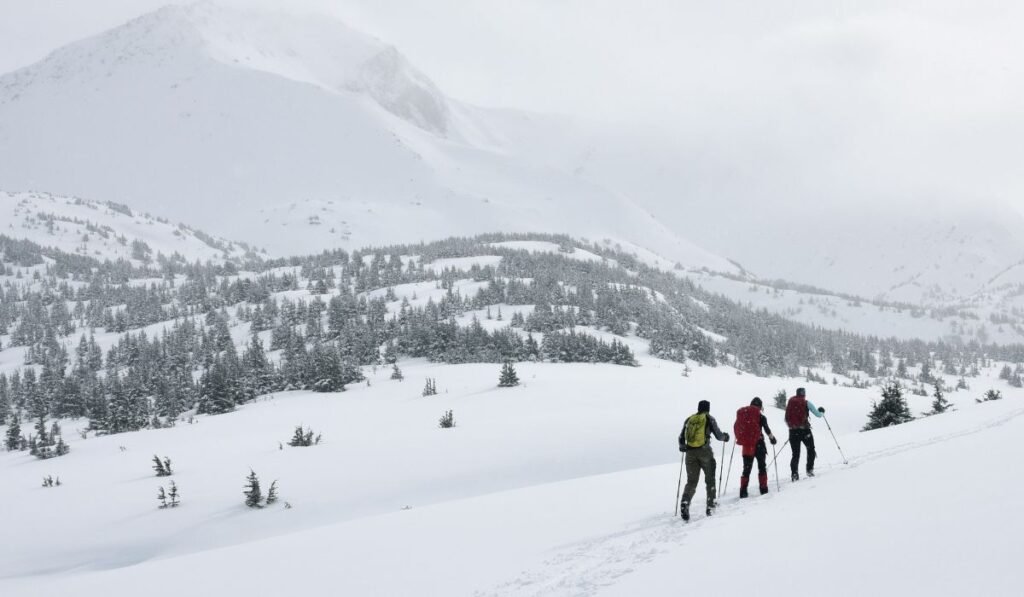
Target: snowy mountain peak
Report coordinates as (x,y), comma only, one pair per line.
(310,49)
(297,134)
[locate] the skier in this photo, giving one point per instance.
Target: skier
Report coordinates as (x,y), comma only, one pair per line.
(694,440)
(749,422)
(797,410)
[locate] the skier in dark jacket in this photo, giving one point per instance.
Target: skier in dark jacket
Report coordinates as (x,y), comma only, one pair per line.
(695,441)
(756,449)
(798,410)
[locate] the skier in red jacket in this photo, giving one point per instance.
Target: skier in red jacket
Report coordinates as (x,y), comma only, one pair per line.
(750,421)
(797,418)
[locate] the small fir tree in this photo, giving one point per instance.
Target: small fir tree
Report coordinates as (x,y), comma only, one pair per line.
(940,404)
(14,440)
(303,438)
(161,497)
(447,420)
(430,389)
(272,493)
(162,467)
(780,399)
(891,410)
(396,373)
(991,395)
(174,495)
(253,493)
(61,448)
(508,377)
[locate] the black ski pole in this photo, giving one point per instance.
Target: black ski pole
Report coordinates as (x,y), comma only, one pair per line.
(845,461)
(786,443)
(732,455)
(720,471)
(679,485)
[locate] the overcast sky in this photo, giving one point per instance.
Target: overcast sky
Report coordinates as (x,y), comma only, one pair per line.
(882,98)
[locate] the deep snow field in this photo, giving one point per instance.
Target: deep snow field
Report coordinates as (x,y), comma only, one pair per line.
(561,486)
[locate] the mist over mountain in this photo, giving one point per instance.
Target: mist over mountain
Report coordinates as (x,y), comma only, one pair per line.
(291,133)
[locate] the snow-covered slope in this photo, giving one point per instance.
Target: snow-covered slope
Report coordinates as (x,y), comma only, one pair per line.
(507,502)
(106,231)
(292,133)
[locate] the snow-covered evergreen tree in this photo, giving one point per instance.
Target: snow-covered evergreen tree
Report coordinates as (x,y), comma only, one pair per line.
(892,409)
(780,399)
(253,493)
(508,378)
(174,496)
(14,440)
(162,467)
(940,404)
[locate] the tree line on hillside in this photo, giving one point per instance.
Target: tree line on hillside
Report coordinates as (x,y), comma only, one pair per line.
(352,317)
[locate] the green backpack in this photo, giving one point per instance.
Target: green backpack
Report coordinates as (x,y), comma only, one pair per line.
(695,432)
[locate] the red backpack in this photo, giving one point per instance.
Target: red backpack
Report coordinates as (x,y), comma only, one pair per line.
(747,428)
(796,412)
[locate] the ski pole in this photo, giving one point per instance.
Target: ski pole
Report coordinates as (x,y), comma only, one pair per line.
(732,455)
(720,471)
(679,485)
(775,462)
(786,443)
(845,461)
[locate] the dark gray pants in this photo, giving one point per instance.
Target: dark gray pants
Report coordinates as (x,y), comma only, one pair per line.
(698,460)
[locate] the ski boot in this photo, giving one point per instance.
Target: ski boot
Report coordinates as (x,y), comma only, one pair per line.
(810,473)
(711,508)
(684,511)
(796,477)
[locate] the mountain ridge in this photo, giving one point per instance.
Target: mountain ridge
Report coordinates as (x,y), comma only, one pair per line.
(156,115)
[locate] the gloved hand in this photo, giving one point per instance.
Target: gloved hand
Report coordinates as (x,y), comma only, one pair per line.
(772,439)
(821,410)
(726,437)
(682,447)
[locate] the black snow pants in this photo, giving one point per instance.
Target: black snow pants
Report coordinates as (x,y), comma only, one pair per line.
(801,436)
(761,453)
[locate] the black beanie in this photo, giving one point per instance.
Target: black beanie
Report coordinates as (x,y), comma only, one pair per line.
(703,406)
(801,392)
(756,402)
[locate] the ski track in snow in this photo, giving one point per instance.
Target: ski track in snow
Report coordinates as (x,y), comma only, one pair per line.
(582,569)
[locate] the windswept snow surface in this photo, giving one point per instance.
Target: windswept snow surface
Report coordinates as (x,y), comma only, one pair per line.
(562,486)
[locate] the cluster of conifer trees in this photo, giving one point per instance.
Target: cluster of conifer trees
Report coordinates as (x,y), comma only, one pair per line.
(351,317)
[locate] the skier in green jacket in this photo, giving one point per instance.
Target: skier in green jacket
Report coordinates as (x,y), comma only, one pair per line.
(695,441)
